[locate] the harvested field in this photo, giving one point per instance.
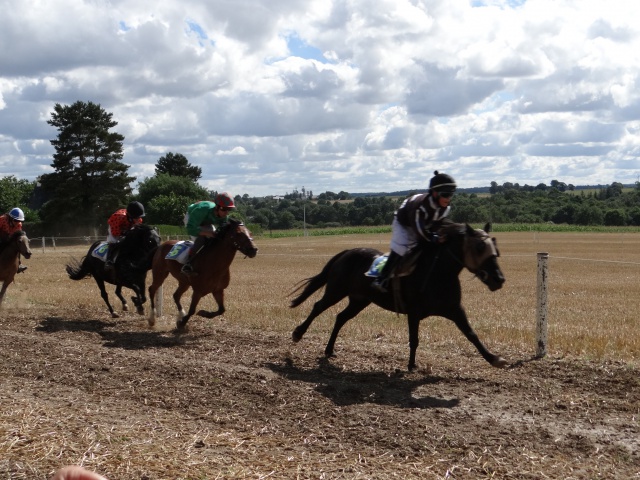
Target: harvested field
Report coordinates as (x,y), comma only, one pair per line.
(235,398)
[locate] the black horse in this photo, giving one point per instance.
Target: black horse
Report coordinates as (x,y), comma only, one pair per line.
(135,252)
(432,288)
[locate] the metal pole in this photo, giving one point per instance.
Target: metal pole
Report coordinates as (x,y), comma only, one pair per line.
(541,325)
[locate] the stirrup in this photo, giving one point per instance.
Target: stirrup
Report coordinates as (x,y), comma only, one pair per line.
(187,269)
(21,268)
(380,284)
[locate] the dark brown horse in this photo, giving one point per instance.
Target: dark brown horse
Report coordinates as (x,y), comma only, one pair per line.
(433,288)
(132,263)
(211,265)
(16,245)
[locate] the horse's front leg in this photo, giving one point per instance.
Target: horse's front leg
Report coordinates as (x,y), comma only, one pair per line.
(219,298)
(5,284)
(459,317)
(140,298)
(105,297)
(125,306)
(414,339)
(195,298)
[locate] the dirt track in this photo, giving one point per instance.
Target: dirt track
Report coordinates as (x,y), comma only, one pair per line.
(226,402)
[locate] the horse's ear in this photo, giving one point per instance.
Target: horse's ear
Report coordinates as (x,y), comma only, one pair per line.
(470,230)
(487,227)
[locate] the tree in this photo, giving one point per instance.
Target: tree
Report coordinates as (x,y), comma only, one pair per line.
(177,165)
(163,184)
(89,181)
(16,193)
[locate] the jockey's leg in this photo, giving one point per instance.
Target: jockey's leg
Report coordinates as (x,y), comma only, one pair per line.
(198,244)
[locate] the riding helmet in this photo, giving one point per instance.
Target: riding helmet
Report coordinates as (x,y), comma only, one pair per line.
(17,214)
(135,210)
(224,200)
(441,182)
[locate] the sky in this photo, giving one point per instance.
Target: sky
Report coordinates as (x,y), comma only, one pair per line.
(273,96)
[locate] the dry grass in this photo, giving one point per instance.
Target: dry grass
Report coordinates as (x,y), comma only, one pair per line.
(88,393)
(592,294)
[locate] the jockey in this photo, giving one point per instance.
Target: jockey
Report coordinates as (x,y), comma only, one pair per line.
(413,221)
(10,223)
(119,222)
(201,221)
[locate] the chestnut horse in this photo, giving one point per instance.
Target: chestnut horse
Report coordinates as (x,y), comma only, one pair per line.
(132,263)
(16,245)
(211,265)
(432,288)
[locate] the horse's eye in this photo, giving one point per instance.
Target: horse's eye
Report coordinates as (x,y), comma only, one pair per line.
(480,247)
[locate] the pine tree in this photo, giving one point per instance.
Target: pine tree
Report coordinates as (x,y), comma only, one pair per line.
(89,181)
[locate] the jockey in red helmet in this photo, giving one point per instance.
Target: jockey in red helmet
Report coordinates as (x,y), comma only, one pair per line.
(119,222)
(201,220)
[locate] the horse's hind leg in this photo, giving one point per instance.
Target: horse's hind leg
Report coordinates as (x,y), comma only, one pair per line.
(105,297)
(320,306)
(353,308)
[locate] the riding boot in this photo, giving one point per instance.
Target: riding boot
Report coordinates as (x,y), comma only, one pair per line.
(111,253)
(381,283)
(21,268)
(187,268)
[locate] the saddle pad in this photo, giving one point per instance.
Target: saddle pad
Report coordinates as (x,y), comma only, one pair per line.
(180,252)
(376,266)
(101,251)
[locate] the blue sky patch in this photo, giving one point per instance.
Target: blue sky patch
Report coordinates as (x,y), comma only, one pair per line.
(300,48)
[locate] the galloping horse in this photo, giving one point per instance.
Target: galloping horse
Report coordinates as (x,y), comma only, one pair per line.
(16,245)
(132,263)
(433,288)
(212,265)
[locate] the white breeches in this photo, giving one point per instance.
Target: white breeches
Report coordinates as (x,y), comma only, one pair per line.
(403,239)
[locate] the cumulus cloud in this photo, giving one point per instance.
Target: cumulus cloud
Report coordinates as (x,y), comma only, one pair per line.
(332,94)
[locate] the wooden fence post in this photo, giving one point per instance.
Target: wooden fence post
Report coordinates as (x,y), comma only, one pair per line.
(541,325)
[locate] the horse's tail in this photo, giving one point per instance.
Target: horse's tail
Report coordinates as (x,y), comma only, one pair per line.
(313,284)
(78,270)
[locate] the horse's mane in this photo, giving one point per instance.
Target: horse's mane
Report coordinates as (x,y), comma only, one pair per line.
(230,223)
(451,228)
(133,236)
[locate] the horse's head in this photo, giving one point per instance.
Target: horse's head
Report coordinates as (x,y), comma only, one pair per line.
(22,242)
(480,253)
(241,237)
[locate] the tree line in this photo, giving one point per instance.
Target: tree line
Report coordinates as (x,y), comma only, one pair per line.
(89,182)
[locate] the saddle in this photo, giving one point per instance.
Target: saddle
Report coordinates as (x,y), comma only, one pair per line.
(405,266)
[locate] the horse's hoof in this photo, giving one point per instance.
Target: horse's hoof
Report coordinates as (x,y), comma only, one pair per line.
(499,363)
(125,308)
(296,336)
(115,315)
(151,322)
(140,311)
